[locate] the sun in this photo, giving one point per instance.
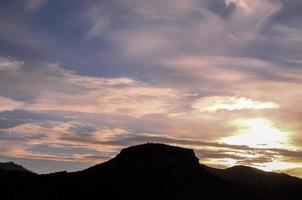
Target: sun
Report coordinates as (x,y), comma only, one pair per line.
(257,133)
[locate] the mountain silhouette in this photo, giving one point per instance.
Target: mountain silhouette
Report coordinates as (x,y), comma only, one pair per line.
(11,166)
(153,171)
(267,185)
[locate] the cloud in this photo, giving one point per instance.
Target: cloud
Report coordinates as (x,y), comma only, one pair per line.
(216,103)
(98,20)
(7,104)
(32,5)
(67,91)
(232,69)
(252,15)
(54,88)
(134,100)
(175,28)
(26,141)
(7,64)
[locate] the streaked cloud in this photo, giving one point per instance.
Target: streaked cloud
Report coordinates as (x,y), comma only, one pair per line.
(9,64)
(32,5)
(7,104)
(216,103)
(77,93)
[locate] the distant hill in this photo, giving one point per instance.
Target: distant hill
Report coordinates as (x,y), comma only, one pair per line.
(11,166)
(154,171)
(266,185)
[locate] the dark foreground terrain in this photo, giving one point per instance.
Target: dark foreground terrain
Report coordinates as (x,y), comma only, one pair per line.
(150,171)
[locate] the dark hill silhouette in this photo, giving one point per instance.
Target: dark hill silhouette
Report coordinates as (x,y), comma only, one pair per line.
(11,166)
(11,176)
(268,185)
(153,171)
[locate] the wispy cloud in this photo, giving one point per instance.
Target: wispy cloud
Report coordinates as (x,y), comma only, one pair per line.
(32,5)
(7,104)
(60,89)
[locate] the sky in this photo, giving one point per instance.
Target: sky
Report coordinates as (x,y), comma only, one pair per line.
(80,80)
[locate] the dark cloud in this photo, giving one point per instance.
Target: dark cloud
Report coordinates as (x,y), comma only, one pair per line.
(10,119)
(290,14)
(220,7)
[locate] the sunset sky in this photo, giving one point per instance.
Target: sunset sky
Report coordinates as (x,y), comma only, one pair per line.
(80,80)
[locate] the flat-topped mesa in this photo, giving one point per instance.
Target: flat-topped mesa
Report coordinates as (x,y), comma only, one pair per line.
(157,154)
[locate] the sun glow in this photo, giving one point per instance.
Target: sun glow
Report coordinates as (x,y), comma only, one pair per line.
(257,133)
(230,103)
(277,166)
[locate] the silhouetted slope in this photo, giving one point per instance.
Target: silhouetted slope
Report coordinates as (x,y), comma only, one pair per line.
(267,185)
(12,178)
(10,166)
(154,171)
